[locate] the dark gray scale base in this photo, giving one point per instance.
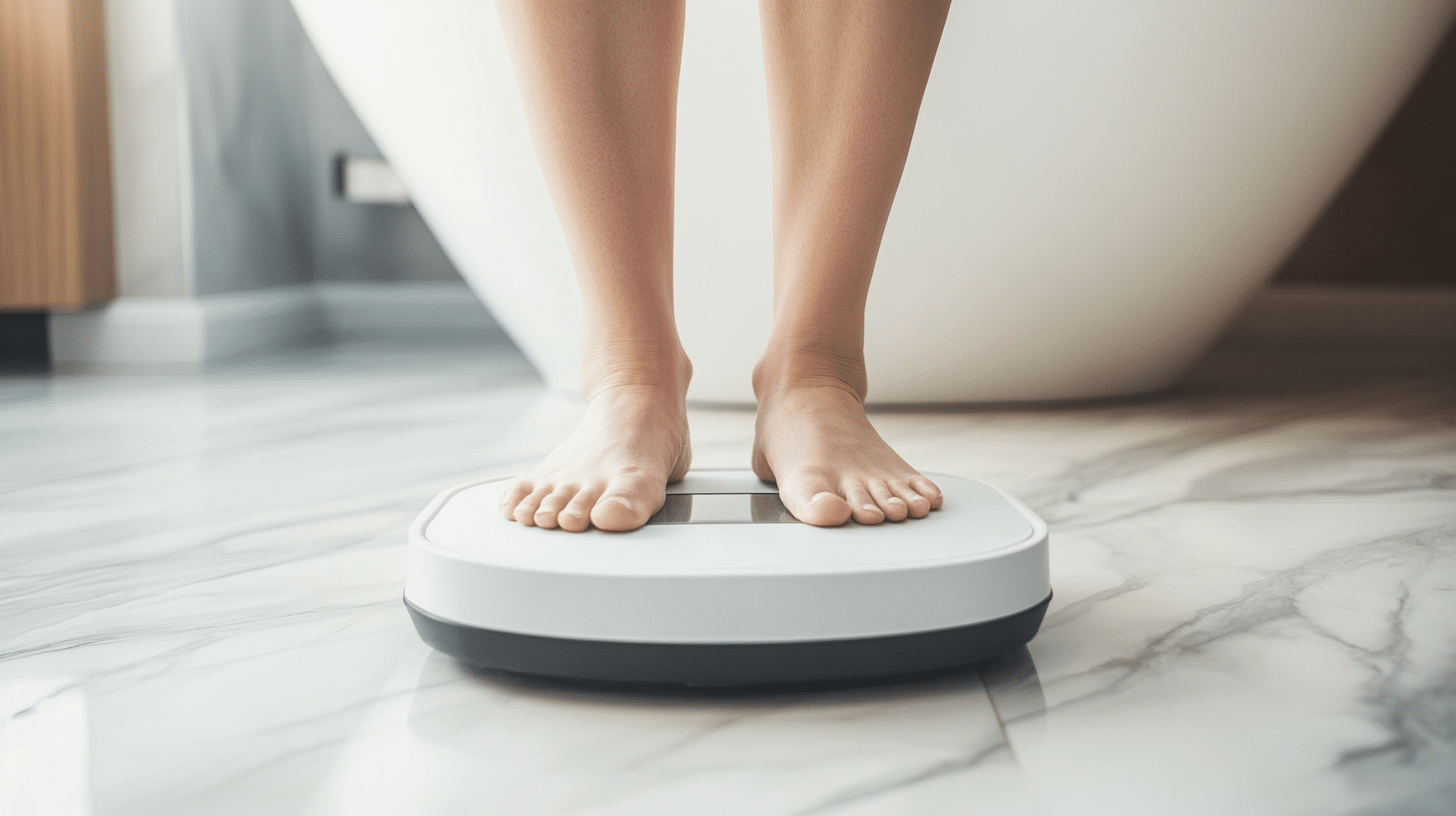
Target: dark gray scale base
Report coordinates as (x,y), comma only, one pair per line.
(730,664)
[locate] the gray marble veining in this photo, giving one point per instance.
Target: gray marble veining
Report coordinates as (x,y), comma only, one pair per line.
(1255,580)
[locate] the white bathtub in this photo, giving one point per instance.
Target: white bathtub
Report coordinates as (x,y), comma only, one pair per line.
(1093,190)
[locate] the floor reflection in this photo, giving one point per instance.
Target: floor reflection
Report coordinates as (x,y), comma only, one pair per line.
(1014,686)
(610,749)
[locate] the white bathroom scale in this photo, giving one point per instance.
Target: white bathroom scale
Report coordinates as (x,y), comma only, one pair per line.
(723,587)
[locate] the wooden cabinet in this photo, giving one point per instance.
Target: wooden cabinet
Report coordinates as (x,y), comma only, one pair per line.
(56,246)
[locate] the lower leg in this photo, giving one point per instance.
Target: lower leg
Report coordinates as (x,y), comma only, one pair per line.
(598,82)
(845,83)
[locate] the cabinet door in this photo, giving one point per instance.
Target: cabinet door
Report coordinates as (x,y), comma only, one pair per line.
(55,156)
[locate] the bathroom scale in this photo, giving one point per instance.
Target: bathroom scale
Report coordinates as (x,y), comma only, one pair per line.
(723,587)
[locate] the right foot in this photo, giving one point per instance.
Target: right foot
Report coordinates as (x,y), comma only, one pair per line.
(612,472)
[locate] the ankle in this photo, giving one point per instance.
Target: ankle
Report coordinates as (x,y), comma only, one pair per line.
(618,367)
(780,373)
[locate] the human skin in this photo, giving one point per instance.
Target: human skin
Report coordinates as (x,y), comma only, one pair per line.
(598,81)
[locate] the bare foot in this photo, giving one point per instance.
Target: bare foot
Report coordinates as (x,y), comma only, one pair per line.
(829,462)
(614,468)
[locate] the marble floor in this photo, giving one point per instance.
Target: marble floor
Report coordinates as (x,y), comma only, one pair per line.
(200,612)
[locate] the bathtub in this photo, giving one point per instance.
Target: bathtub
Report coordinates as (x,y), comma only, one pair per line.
(1094,188)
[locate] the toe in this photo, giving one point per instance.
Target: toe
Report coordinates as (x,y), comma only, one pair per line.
(813,498)
(512,497)
(551,506)
(894,507)
(628,503)
(576,516)
(929,490)
(617,513)
(918,504)
(526,509)
(822,509)
(862,505)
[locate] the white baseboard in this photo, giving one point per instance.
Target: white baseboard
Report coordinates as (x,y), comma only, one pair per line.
(181,333)
(405,311)
(1375,315)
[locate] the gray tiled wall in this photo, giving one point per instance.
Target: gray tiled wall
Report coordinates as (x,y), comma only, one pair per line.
(265,121)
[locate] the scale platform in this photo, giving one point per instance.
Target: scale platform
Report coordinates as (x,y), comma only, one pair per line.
(724,588)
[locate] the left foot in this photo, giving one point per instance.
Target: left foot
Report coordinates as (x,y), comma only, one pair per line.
(813,440)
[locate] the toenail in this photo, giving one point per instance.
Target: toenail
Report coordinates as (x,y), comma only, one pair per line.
(621,501)
(818,496)
(895,499)
(868,507)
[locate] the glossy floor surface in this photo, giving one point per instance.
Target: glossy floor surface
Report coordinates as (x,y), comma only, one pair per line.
(200,610)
